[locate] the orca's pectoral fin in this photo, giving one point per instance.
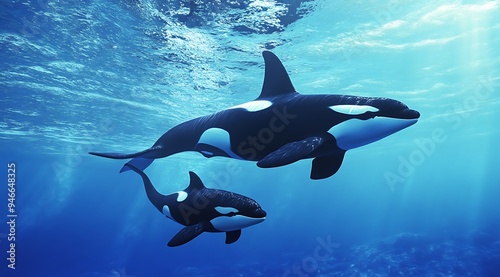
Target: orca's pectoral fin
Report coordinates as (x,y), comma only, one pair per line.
(324,167)
(187,234)
(232,236)
(291,152)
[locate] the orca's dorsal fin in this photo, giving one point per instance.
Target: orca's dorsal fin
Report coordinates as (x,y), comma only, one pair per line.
(195,182)
(276,79)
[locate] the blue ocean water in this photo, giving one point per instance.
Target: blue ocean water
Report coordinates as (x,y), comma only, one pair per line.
(110,75)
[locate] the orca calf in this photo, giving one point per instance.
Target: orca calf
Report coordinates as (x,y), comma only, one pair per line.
(282,126)
(201,209)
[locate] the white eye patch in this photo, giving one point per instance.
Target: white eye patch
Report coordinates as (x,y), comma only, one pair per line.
(353,109)
(226,210)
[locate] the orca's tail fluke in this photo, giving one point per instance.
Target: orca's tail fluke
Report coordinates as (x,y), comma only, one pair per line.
(148,153)
(138,171)
(141,160)
(139,163)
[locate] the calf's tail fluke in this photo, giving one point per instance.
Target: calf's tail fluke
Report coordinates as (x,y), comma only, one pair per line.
(156,198)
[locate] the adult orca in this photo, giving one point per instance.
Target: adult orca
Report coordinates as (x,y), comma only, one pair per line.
(201,209)
(283,126)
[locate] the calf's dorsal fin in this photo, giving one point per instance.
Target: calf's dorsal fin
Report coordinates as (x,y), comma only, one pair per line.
(195,182)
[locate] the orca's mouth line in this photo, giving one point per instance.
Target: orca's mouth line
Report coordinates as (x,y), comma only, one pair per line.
(259,214)
(406,114)
(398,114)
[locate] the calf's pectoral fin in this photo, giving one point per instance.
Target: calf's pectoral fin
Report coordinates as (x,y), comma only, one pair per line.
(291,152)
(232,236)
(187,234)
(324,167)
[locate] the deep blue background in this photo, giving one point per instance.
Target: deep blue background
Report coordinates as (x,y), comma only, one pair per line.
(115,75)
